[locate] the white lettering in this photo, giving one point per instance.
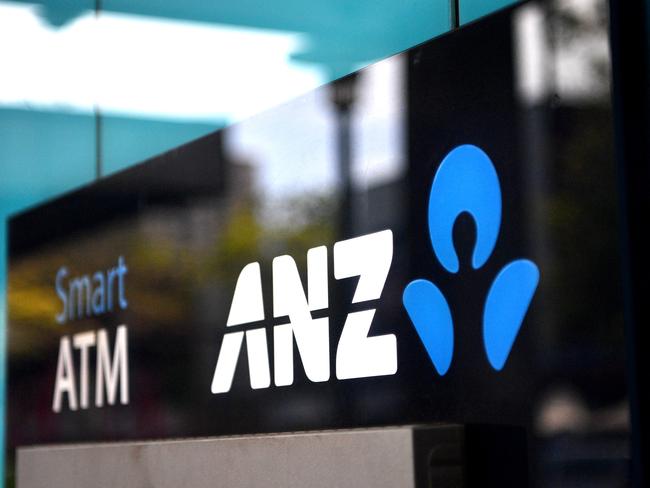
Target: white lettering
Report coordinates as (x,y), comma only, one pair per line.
(82,342)
(107,374)
(247,303)
(358,355)
(369,257)
(227,361)
(65,382)
(312,335)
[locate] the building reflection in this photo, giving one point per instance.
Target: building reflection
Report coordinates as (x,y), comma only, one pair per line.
(336,163)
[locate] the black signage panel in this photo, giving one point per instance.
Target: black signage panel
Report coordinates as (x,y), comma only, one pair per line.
(412,244)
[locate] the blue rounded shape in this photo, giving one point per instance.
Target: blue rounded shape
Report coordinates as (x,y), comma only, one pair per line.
(430,314)
(466,181)
(505,308)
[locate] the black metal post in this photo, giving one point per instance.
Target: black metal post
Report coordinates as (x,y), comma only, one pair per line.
(629,47)
(342,95)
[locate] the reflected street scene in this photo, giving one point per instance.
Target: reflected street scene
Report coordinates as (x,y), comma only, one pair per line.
(431,239)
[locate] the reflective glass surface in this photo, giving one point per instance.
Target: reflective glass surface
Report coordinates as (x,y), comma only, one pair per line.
(174,72)
(90,88)
(470,10)
(346,160)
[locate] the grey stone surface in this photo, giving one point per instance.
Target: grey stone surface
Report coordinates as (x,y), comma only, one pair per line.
(338,459)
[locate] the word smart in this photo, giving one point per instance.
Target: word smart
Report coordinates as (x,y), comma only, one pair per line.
(84,296)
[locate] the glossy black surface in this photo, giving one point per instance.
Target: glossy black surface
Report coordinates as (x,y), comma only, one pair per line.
(311,173)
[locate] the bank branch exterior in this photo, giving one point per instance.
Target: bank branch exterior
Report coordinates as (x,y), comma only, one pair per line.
(426,272)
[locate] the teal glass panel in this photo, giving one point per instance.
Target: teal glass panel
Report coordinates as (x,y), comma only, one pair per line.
(47,124)
(131,139)
(470,10)
(42,154)
(3,339)
(174,71)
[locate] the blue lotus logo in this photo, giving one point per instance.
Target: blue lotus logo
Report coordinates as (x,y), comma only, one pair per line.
(467,181)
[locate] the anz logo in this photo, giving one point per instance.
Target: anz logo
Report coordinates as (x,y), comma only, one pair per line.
(357,356)
(466,181)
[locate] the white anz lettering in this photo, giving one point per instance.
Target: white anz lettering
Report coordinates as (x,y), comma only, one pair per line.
(369,257)
(312,335)
(358,356)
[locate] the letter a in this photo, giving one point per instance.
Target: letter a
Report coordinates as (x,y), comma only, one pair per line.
(247,306)
(65,382)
